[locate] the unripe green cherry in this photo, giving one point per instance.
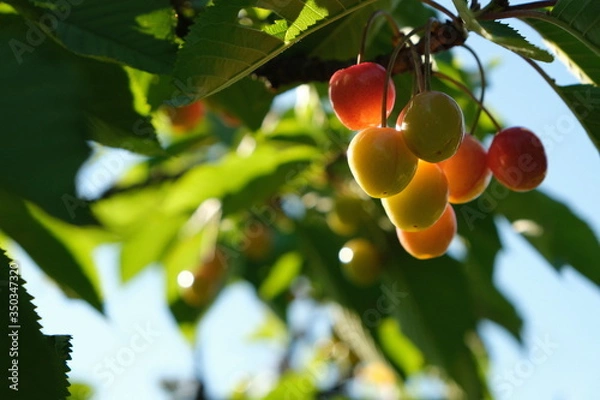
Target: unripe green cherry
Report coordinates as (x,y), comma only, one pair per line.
(433,126)
(381,162)
(361,262)
(422,202)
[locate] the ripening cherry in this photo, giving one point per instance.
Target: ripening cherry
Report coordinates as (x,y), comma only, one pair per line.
(208,279)
(433,241)
(422,202)
(467,171)
(361,262)
(185,118)
(380,161)
(433,125)
(517,159)
(356,95)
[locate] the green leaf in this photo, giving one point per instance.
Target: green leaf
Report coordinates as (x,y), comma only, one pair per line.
(437,314)
(62,251)
(501,34)
(219,50)
(148,243)
(564,239)
(43,144)
(110,110)
(399,348)
(138,33)
(483,244)
(234,100)
(281,275)
(573,32)
(584,102)
(292,384)
(41,360)
(508,37)
(249,178)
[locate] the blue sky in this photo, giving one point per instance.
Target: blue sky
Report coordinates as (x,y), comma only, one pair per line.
(126,354)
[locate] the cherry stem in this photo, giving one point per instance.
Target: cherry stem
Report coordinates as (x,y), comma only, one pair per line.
(443,10)
(465,89)
(427,62)
(483,85)
(543,74)
(418,66)
(363,40)
(533,6)
(388,72)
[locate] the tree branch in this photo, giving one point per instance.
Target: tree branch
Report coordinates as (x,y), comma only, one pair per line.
(296,69)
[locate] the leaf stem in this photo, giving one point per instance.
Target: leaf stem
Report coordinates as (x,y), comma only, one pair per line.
(536,5)
(542,73)
(483,86)
(418,66)
(465,89)
(427,62)
(363,40)
(443,10)
(388,74)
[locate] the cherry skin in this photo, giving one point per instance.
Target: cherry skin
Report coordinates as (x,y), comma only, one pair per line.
(433,241)
(467,171)
(422,202)
(185,118)
(433,125)
(381,162)
(258,241)
(208,279)
(356,94)
(361,262)
(347,215)
(517,159)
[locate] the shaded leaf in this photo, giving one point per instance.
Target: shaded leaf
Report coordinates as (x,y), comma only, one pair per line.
(62,251)
(219,50)
(41,368)
(110,111)
(42,146)
(573,29)
(564,239)
(483,244)
(437,314)
(138,33)
(584,101)
(235,101)
(501,34)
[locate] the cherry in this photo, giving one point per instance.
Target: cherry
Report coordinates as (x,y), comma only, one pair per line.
(347,215)
(208,278)
(517,159)
(258,241)
(380,161)
(467,171)
(422,202)
(433,241)
(361,261)
(185,118)
(433,125)
(356,94)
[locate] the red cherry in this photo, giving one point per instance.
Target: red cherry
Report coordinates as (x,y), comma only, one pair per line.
(356,94)
(517,159)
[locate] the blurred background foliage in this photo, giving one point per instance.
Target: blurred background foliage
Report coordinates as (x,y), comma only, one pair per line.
(251,184)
